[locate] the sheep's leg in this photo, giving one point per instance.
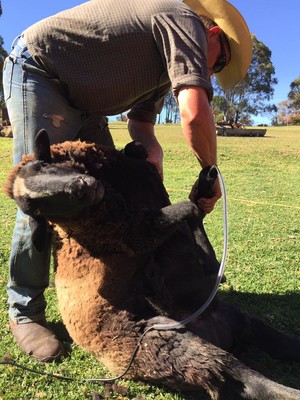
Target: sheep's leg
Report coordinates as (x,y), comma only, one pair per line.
(152,228)
(184,361)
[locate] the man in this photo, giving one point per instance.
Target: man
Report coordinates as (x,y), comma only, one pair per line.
(101,58)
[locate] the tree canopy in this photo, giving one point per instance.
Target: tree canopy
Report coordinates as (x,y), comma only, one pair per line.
(294,96)
(292,104)
(3,55)
(171,108)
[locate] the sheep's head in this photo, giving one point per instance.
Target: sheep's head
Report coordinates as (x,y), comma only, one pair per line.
(83,188)
(50,192)
(53,191)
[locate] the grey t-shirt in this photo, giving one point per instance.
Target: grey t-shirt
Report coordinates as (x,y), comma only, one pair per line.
(113,55)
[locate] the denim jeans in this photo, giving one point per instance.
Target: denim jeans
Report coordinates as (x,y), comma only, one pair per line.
(35,99)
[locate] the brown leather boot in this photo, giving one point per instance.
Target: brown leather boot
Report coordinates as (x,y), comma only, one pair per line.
(37,340)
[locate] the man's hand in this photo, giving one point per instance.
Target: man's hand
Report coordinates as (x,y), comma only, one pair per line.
(155,157)
(208,204)
(143,132)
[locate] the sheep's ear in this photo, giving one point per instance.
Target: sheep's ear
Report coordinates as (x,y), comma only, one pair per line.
(135,150)
(42,147)
(39,232)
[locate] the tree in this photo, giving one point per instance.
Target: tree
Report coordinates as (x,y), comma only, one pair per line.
(289,110)
(283,115)
(220,108)
(294,96)
(252,95)
(3,55)
(171,108)
(122,117)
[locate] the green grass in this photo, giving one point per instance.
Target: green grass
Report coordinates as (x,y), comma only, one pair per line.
(263,265)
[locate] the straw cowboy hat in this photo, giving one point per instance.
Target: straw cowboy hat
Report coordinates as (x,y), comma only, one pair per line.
(236,30)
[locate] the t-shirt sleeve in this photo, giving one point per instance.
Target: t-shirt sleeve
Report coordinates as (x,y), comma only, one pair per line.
(181,40)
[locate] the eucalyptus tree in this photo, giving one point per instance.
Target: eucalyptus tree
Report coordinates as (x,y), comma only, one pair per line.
(294,96)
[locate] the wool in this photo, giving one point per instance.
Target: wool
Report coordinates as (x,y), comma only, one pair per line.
(127,259)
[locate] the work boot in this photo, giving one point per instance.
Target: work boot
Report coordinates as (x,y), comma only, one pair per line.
(37,340)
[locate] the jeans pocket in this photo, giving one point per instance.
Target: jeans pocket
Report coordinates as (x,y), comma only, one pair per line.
(8,69)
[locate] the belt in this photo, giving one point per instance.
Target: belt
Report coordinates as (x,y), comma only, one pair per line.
(19,48)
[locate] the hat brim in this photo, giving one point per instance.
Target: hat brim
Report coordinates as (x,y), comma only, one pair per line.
(229,19)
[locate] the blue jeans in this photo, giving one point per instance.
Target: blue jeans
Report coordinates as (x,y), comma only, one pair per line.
(35,99)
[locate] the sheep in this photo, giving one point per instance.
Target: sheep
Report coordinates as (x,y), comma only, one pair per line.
(127,261)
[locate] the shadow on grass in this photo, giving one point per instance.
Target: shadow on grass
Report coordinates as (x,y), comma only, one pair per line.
(61,332)
(281,312)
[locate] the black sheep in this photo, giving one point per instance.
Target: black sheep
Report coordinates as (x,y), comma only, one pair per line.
(127,260)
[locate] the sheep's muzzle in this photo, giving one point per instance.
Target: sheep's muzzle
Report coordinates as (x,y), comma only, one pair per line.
(51,191)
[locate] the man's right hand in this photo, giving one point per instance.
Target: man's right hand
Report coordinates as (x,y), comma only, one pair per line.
(206,204)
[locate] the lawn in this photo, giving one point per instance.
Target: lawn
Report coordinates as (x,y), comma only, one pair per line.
(262,270)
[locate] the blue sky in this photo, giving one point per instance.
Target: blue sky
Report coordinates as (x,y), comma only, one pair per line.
(276,26)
